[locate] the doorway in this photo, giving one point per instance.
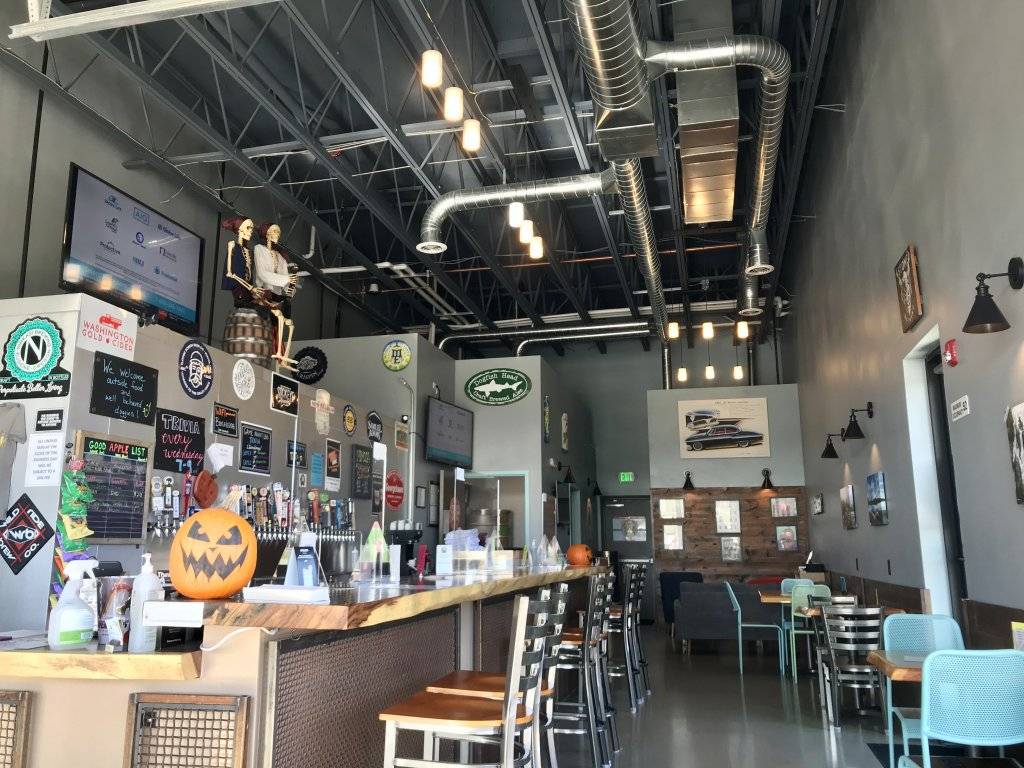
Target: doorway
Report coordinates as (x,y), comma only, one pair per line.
(944,470)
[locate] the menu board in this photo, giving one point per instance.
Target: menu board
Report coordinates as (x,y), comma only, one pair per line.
(254,449)
(122,389)
(362,472)
(117,471)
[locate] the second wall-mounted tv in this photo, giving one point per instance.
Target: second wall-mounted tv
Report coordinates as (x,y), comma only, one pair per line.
(122,251)
(449,436)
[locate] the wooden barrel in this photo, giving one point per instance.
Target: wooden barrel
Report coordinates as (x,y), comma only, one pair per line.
(248,335)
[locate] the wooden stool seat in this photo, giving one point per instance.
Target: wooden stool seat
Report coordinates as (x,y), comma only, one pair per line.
(575,637)
(615,611)
(484,685)
(443,711)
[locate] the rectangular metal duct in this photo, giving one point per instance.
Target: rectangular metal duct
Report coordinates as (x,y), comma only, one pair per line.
(709,116)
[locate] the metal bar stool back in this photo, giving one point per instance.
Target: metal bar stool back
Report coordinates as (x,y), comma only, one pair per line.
(850,633)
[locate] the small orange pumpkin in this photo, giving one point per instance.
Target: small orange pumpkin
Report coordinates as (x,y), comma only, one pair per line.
(213,555)
(579,555)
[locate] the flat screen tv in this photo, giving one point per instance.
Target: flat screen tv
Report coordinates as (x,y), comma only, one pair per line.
(122,251)
(449,434)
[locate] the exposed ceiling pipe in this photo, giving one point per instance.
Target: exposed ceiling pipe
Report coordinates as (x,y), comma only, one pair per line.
(636,325)
(634,334)
(564,188)
(773,60)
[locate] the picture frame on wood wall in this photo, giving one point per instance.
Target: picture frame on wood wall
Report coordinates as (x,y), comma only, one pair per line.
(732,551)
(786,538)
(784,506)
(727,516)
(908,289)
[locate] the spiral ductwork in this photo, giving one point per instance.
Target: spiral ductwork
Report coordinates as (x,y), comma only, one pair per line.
(563,188)
(748,303)
(629,178)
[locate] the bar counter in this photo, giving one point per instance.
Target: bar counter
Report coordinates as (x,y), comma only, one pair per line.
(314,676)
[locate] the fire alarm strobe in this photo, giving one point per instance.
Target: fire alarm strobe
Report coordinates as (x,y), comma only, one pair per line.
(949,353)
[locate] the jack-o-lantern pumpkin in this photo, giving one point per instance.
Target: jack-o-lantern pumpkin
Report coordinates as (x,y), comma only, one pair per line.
(579,555)
(213,555)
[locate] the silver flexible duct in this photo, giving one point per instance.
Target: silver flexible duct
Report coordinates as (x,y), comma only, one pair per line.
(772,59)
(629,178)
(747,303)
(564,188)
(634,334)
(484,335)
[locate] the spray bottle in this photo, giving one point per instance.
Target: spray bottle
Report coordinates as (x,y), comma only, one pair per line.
(71,622)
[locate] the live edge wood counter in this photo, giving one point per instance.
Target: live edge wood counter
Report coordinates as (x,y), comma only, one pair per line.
(368,604)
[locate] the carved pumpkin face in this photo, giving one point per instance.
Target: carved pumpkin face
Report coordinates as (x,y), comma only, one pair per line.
(213,555)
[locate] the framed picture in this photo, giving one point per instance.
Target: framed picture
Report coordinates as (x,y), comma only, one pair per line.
(908,289)
(671,509)
(629,528)
(785,538)
(848,507)
(784,506)
(724,428)
(433,502)
(818,504)
(732,552)
(727,516)
(878,507)
(1015,434)
(672,537)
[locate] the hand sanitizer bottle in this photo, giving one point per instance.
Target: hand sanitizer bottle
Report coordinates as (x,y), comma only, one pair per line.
(71,622)
(147,586)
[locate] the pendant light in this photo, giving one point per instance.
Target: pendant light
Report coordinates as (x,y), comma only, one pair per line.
(453,109)
(985,316)
(431,69)
(707,330)
(471,135)
(516,214)
(737,370)
(688,482)
(526,232)
(742,329)
(673,330)
(537,248)
(681,374)
(853,430)
(766,484)
(709,372)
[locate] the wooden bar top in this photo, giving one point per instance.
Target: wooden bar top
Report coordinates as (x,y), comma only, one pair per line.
(93,664)
(365,604)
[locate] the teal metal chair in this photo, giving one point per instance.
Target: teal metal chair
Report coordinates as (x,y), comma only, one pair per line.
(971,698)
(787,585)
(914,633)
(740,625)
(797,623)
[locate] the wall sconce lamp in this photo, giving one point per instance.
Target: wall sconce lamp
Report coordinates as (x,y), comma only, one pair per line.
(830,449)
(985,316)
(853,430)
(688,482)
(766,484)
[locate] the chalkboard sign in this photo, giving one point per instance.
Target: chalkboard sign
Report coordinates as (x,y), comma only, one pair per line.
(254,449)
(362,472)
(123,390)
(225,420)
(117,471)
(180,442)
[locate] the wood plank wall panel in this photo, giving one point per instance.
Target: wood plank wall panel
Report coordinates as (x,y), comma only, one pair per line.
(987,626)
(702,549)
(871,593)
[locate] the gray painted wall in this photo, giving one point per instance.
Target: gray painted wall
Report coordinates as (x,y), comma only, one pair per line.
(614,388)
(928,152)
(668,467)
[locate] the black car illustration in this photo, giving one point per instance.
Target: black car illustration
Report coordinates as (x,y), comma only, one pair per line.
(701,419)
(728,436)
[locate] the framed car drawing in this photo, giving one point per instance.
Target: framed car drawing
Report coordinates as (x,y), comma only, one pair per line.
(726,428)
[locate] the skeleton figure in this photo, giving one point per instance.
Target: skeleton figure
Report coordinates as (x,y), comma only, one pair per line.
(238,272)
(276,278)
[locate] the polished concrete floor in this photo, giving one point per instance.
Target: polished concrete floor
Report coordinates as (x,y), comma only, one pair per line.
(702,713)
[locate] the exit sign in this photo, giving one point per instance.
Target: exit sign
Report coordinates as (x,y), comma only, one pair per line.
(626,477)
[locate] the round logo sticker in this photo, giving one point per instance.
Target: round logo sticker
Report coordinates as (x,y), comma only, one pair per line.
(397,355)
(374,427)
(243,379)
(498,386)
(348,420)
(195,370)
(33,349)
(394,490)
(310,365)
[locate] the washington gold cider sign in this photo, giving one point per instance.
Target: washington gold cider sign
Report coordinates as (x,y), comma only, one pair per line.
(498,386)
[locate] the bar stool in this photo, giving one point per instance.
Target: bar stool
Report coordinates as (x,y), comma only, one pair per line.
(471,720)
(641,654)
(579,652)
(624,622)
(491,685)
